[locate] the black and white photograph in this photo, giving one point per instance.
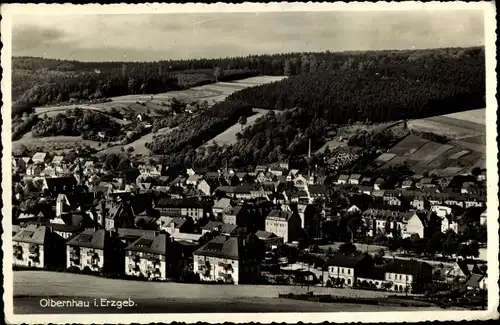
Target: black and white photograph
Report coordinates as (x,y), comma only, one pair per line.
(289,161)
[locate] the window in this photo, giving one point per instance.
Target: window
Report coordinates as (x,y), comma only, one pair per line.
(348,271)
(407,278)
(342,271)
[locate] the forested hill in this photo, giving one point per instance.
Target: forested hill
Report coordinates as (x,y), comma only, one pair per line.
(38,81)
(408,89)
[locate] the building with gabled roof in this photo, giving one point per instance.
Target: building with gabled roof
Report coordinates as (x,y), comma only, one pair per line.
(154,256)
(285,224)
(38,247)
(344,269)
(227,259)
(96,250)
(39,158)
(408,275)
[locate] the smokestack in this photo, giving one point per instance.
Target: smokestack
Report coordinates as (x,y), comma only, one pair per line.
(309,153)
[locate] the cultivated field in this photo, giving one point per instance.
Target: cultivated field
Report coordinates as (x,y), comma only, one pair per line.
(467,129)
(427,156)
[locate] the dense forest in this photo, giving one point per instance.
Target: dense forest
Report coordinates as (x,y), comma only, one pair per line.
(77,122)
(193,131)
(403,85)
(38,81)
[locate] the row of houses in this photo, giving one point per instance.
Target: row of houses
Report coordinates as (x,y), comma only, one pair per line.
(135,253)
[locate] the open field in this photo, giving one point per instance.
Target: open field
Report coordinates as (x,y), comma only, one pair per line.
(139,145)
(467,129)
(427,156)
(56,144)
(229,136)
(30,286)
(128,104)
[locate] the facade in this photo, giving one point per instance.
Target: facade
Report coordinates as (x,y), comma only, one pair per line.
(408,275)
(285,224)
(96,250)
(154,256)
(191,207)
(346,268)
(226,259)
(38,247)
(237,215)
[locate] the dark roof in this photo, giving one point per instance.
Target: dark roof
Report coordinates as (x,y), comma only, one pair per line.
(412,267)
(265,234)
(90,238)
(345,261)
(151,243)
(374,273)
(66,228)
(61,182)
(223,228)
(317,189)
(179,203)
(224,247)
(32,235)
(280,214)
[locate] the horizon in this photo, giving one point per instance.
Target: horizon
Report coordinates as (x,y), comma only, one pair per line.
(174,36)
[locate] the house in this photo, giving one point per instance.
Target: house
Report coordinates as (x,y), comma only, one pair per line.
(342,179)
(154,256)
(222,228)
(426,182)
(173,225)
(96,250)
(57,185)
(468,188)
(423,223)
(243,191)
(367,181)
(452,222)
(354,179)
(208,185)
(227,259)
(277,171)
(193,179)
(391,198)
(40,158)
(483,218)
(270,239)
(300,182)
(316,191)
(462,270)
(407,184)
(152,171)
(220,205)
(27,160)
(408,275)
(386,221)
(189,207)
(476,282)
(285,224)
(237,215)
(70,224)
(344,269)
(37,246)
(34,170)
(378,184)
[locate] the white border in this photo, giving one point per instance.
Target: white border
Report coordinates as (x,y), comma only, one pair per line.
(491,162)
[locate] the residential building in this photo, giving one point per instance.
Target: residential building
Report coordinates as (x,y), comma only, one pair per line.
(220,206)
(96,250)
(189,207)
(37,246)
(222,228)
(237,215)
(227,259)
(423,223)
(452,222)
(270,239)
(345,268)
(58,185)
(40,158)
(355,179)
(285,224)
(342,179)
(154,256)
(408,275)
(378,184)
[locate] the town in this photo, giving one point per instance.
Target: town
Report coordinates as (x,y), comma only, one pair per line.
(264,224)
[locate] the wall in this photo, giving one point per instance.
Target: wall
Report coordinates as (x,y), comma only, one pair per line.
(25,258)
(216,272)
(144,265)
(342,273)
(85,260)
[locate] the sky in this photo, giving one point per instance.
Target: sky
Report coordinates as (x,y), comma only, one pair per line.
(151,37)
